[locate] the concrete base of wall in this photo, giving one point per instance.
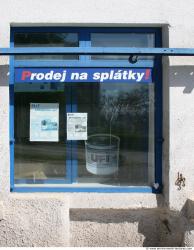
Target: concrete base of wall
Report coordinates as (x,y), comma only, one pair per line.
(126,228)
(34,223)
(49,221)
(189,235)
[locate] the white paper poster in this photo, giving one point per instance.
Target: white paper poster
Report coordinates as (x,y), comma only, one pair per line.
(44,122)
(77,126)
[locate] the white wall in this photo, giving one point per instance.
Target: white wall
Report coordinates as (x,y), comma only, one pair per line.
(175,16)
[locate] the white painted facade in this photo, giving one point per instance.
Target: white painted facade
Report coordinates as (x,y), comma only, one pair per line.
(42,219)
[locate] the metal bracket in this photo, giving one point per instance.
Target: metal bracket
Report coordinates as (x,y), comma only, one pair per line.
(12,141)
(133,59)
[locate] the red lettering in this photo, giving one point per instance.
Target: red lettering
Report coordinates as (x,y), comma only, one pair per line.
(147,74)
(26,74)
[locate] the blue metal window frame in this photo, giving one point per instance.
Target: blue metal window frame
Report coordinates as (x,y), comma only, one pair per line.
(84,61)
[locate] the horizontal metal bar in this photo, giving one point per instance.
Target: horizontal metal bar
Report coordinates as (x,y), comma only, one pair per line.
(97,51)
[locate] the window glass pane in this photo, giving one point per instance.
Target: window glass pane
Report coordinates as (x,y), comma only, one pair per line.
(46,40)
(39,158)
(121,40)
(119,149)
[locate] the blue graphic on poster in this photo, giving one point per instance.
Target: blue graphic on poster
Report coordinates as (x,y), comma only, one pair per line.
(44,122)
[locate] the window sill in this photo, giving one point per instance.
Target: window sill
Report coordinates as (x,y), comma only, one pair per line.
(115,201)
(98,200)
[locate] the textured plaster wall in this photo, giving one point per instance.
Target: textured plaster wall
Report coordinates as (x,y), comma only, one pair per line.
(4,131)
(181,133)
(43,219)
(121,228)
(34,220)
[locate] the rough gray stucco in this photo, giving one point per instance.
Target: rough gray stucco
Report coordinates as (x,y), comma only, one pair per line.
(34,222)
(46,221)
(90,219)
(121,228)
(189,235)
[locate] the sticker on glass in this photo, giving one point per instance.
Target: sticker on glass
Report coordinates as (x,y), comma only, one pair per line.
(77,126)
(44,122)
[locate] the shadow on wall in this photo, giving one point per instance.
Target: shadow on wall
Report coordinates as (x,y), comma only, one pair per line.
(182,76)
(4,75)
(132,228)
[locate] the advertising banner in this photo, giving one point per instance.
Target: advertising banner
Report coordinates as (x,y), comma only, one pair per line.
(129,75)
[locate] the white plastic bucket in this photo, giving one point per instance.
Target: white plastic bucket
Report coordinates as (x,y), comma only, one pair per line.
(102,154)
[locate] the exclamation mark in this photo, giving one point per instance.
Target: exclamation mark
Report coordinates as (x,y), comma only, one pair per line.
(147,74)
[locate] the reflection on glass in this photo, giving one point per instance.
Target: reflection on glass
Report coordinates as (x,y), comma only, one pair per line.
(45,39)
(38,160)
(121,40)
(120,127)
